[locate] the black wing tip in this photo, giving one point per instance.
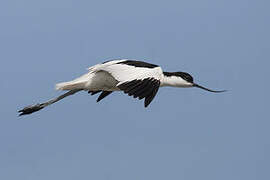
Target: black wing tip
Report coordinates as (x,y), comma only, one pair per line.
(93,92)
(99,99)
(103,95)
(146,104)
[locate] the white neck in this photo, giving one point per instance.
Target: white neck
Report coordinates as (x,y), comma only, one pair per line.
(174,81)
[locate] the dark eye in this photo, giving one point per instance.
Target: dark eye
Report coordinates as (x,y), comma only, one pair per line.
(186,77)
(190,78)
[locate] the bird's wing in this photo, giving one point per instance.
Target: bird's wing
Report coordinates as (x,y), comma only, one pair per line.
(102,95)
(98,67)
(136,78)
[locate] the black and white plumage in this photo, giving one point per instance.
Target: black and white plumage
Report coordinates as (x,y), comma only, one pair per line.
(136,78)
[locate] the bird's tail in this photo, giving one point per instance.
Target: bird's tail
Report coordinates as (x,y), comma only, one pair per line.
(78,83)
(69,85)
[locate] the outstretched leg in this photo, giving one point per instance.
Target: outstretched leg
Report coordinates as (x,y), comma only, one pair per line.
(33,108)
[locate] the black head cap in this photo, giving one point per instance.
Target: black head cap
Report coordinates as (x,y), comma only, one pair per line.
(183,75)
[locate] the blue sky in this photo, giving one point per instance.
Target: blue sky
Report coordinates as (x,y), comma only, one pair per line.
(184,134)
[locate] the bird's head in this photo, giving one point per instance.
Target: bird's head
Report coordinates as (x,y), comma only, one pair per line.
(183,79)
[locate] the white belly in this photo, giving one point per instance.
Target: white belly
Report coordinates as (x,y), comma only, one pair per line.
(101,81)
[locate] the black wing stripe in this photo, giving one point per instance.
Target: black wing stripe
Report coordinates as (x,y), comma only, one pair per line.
(138,64)
(138,89)
(146,88)
(149,98)
(134,88)
(128,85)
(142,91)
(149,91)
(103,95)
(131,85)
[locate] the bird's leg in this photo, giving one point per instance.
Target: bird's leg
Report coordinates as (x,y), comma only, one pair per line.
(33,108)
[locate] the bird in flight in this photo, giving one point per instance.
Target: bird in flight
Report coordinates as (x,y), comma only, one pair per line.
(135,78)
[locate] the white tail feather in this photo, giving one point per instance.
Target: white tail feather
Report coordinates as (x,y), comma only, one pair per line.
(69,85)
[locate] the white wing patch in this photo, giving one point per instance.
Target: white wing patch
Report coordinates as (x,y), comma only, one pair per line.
(124,73)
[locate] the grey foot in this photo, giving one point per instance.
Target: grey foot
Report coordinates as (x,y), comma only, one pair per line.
(30,109)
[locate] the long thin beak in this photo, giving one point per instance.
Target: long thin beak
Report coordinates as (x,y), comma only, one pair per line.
(198,86)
